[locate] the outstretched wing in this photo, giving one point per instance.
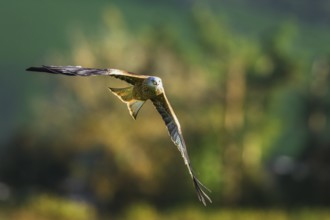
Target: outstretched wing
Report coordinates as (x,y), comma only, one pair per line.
(164,108)
(131,78)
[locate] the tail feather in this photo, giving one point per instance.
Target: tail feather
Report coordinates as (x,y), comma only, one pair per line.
(126,95)
(134,107)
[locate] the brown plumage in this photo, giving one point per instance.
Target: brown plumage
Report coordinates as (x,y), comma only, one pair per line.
(142,88)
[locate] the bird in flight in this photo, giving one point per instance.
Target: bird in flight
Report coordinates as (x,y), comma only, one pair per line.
(142,88)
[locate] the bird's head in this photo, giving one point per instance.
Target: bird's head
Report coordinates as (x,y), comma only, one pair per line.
(155,84)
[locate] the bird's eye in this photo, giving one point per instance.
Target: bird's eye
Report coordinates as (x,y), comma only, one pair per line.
(154,82)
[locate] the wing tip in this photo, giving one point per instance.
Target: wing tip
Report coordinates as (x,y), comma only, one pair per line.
(36,69)
(43,68)
(202,196)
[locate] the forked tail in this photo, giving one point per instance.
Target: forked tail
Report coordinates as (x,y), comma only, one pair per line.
(126,96)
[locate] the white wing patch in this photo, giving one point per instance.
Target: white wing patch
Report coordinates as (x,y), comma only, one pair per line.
(116,72)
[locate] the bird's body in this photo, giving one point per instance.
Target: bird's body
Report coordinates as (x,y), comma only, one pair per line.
(147,88)
(142,88)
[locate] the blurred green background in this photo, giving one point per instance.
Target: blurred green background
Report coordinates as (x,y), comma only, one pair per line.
(248,81)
